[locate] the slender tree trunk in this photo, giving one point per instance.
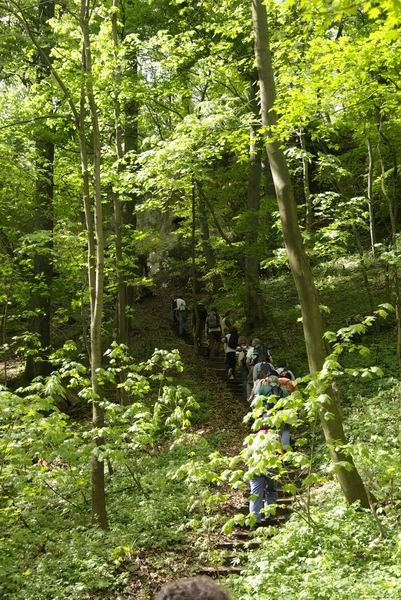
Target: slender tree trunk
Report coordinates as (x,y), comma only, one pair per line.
(43,262)
(131,147)
(94,222)
(330,415)
(208,251)
(393,153)
(387,197)
(118,214)
(372,229)
(212,212)
(307,194)
(253,305)
(393,234)
(193,248)
(4,336)
(364,270)
(98,488)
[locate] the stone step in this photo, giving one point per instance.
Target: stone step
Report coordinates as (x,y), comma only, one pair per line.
(242,534)
(240,545)
(235,558)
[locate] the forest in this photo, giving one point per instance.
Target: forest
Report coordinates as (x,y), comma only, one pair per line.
(200,298)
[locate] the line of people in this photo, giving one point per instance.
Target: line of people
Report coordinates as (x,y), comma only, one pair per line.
(260,379)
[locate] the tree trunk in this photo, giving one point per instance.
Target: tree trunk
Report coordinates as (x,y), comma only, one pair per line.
(98,488)
(387,197)
(330,415)
(372,229)
(131,146)
(393,233)
(253,305)
(193,247)
(208,251)
(121,336)
(364,270)
(43,262)
(307,194)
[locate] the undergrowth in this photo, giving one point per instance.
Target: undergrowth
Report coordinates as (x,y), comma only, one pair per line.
(158,532)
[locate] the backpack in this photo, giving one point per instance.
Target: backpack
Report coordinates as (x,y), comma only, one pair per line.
(275,390)
(232,340)
(265,366)
(202,312)
(260,354)
(213,320)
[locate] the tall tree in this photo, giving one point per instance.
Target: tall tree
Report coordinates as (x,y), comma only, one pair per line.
(43,216)
(330,414)
(254,312)
(98,489)
(122,333)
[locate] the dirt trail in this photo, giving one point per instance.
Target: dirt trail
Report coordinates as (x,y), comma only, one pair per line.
(226,408)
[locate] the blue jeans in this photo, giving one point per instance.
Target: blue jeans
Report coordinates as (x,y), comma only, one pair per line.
(285,431)
(265,488)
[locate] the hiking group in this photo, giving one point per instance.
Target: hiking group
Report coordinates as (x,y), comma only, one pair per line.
(261,380)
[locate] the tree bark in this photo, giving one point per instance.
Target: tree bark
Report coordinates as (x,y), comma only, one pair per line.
(98,488)
(253,301)
(330,415)
(43,218)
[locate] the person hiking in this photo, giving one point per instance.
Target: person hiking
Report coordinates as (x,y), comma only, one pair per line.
(263,365)
(213,331)
(181,310)
(241,362)
(260,356)
(256,354)
(269,386)
(263,485)
(281,366)
(261,385)
(230,348)
(199,315)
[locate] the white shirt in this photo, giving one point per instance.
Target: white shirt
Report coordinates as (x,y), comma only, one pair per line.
(180,304)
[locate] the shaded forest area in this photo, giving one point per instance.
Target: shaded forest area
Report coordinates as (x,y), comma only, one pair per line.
(243,154)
